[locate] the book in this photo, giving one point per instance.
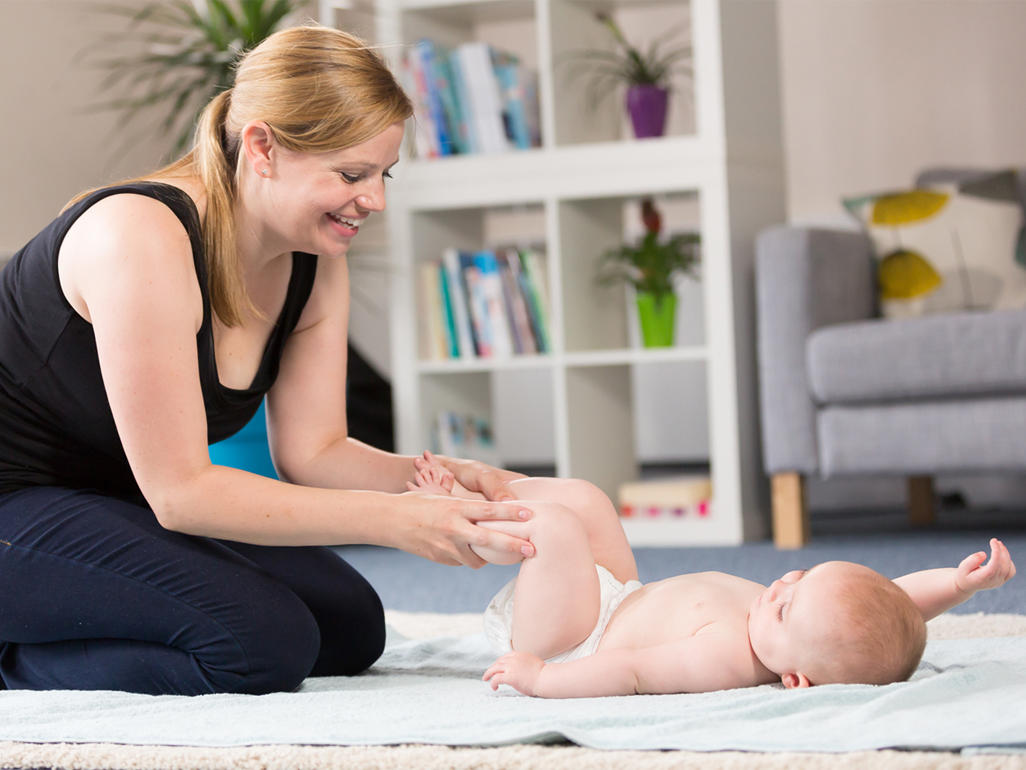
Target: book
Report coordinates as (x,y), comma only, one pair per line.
(458,298)
(463,435)
(432,332)
(535,287)
(510,76)
(485,99)
(672,496)
(477,304)
(452,342)
(467,131)
(425,138)
(494,302)
(426,56)
(516,305)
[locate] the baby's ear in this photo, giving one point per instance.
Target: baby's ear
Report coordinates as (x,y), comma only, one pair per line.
(795,679)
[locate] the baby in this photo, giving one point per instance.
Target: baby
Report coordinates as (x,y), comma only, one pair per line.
(576,622)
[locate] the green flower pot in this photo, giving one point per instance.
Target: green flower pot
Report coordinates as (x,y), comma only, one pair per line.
(656,313)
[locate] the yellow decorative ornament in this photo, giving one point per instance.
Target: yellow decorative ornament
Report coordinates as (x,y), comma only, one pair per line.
(905,274)
(907,207)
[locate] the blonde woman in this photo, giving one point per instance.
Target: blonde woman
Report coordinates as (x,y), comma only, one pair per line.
(151,318)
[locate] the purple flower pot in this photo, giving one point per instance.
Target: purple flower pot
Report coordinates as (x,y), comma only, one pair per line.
(647,107)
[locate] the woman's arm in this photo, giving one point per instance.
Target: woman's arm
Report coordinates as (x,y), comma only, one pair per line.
(128,270)
(306,408)
(937,590)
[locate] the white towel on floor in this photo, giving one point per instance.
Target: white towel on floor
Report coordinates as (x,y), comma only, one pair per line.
(966,693)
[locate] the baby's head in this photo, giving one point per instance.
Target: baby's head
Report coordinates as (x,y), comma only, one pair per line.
(838,622)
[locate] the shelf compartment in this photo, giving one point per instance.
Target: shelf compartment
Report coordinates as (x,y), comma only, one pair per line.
(599,426)
(516,313)
(521,436)
(573,27)
(599,317)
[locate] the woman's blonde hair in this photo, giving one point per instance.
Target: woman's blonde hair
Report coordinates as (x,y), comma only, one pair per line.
(318,89)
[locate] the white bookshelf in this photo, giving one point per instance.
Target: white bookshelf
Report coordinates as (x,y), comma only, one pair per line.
(718,169)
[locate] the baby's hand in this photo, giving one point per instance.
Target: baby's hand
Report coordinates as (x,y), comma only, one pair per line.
(520,670)
(973,575)
(433,479)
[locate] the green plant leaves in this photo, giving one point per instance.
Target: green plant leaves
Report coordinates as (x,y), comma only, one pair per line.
(652,265)
(180,54)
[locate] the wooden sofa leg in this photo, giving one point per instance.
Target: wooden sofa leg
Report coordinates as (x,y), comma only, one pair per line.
(790,516)
(921,508)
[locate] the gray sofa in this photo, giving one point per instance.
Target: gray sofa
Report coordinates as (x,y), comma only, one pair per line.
(844,392)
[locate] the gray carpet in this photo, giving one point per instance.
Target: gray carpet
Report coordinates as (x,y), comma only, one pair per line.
(879,539)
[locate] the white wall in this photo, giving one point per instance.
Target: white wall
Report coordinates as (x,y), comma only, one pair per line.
(52,146)
(874,90)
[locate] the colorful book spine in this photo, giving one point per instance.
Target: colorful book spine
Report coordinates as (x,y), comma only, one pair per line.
(535,287)
(424,52)
(425,137)
(485,98)
(495,305)
(433,345)
(516,305)
(452,342)
(467,129)
(477,302)
(508,74)
(458,298)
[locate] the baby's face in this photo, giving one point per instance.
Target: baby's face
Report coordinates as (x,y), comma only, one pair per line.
(789,621)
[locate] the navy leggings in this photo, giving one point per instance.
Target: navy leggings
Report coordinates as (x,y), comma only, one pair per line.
(95,594)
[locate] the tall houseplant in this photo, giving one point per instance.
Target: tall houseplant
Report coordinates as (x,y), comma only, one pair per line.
(652,265)
(646,72)
(178,54)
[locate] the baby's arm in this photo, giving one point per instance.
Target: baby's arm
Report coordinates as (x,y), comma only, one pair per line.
(937,590)
(696,664)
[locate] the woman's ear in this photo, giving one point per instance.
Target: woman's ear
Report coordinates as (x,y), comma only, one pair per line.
(258,147)
(795,679)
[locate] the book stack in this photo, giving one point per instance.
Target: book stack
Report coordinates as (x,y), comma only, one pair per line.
(484,304)
(470,99)
(463,435)
(675,496)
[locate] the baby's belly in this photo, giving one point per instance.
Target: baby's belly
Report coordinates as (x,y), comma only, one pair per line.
(632,625)
(664,612)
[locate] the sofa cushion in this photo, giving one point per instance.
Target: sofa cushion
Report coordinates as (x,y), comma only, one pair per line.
(951,247)
(951,355)
(927,438)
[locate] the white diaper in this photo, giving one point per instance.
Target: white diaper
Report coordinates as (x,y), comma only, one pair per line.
(498,617)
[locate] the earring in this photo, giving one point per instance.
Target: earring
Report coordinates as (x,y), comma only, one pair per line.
(264,171)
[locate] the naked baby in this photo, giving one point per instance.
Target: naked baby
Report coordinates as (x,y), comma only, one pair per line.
(576,622)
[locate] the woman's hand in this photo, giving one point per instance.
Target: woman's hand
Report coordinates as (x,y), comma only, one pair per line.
(474,475)
(443,528)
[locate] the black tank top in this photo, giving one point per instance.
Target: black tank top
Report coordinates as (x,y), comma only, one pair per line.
(56,426)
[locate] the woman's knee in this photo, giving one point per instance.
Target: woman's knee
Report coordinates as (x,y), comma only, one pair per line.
(278,644)
(353,634)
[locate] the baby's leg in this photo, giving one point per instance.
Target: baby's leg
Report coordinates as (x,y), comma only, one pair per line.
(556,598)
(597,513)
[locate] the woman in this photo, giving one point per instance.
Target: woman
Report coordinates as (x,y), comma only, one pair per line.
(150,319)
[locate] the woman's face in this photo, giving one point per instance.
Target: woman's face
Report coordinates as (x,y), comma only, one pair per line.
(316,202)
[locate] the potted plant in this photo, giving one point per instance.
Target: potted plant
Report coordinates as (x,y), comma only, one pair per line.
(646,73)
(651,266)
(180,53)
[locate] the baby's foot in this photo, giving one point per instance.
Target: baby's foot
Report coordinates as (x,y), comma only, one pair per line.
(433,479)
